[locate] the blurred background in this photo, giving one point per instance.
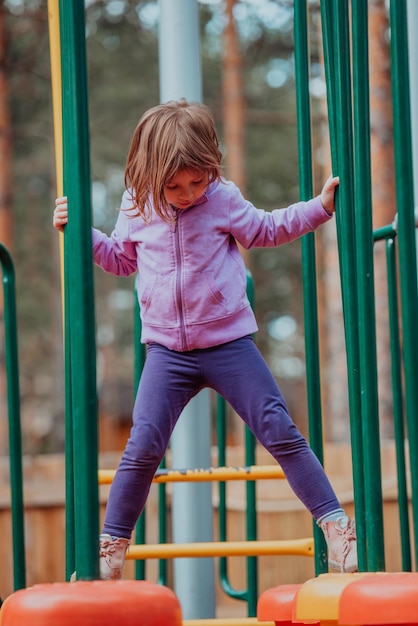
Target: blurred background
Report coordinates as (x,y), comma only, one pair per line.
(247,61)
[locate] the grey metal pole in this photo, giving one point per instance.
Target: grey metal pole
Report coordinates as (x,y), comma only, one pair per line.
(180,77)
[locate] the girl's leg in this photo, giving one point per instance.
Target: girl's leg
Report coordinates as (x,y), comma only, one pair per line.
(238,372)
(169,380)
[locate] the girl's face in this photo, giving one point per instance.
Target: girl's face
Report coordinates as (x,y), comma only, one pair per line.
(185,188)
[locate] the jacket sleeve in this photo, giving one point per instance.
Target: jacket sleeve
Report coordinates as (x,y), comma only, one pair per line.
(254,227)
(116,254)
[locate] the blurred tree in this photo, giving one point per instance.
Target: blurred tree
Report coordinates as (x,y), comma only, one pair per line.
(5,140)
(233,102)
(5,203)
(383,192)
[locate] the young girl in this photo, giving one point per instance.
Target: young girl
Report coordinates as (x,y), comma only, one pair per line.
(179,225)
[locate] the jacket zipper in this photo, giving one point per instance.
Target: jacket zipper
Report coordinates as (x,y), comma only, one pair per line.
(178,283)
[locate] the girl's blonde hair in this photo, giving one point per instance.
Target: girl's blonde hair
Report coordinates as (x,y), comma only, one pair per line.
(169,137)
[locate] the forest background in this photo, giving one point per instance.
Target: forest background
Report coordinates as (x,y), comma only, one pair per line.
(247,56)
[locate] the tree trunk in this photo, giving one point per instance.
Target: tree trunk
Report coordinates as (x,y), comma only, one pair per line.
(233,101)
(233,116)
(383,185)
(5,141)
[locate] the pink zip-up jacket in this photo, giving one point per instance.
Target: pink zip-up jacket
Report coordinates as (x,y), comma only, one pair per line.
(191,276)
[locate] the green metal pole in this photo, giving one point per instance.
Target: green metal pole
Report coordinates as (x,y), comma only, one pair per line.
(223,531)
(139,360)
(406,233)
(310,298)
(69,447)
(327,20)
(251,491)
(337,55)
(250,595)
(250,487)
(80,298)
(162,523)
(13,403)
(398,412)
(223,562)
(365,283)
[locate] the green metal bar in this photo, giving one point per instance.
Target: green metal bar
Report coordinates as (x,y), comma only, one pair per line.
(13,403)
(384,232)
(250,595)
(221,436)
(223,561)
(250,486)
(365,284)
(140,529)
(310,297)
(139,360)
(80,298)
(406,233)
(162,523)
(140,533)
(336,28)
(398,412)
(251,490)
(327,20)
(69,447)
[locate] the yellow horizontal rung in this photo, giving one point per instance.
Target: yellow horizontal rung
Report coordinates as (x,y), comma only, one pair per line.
(228,621)
(251,472)
(294,547)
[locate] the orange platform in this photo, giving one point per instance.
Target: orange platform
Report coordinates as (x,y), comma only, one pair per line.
(361,599)
(92,603)
(276,604)
(381,599)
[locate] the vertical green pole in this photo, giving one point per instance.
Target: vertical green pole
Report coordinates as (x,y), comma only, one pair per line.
(250,595)
(327,18)
(79,306)
(398,413)
(69,446)
(250,487)
(15,434)
(140,529)
(365,278)
(162,524)
(222,514)
(252,561)
(310,299)
(139,360)
(337,56)
(406,233)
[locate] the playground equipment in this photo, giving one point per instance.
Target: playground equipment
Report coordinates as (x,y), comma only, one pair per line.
(95,602)
(347,92)
(344,600)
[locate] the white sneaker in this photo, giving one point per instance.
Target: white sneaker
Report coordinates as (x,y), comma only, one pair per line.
(112,556)
(342,544)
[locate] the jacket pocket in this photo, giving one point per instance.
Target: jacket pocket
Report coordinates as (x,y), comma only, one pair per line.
(204,300)
(157,301)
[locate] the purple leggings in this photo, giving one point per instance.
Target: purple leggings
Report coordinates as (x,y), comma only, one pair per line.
(238,372)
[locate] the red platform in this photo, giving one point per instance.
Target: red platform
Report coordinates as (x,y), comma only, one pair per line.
(92,603)
(276,605)
(381,599)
